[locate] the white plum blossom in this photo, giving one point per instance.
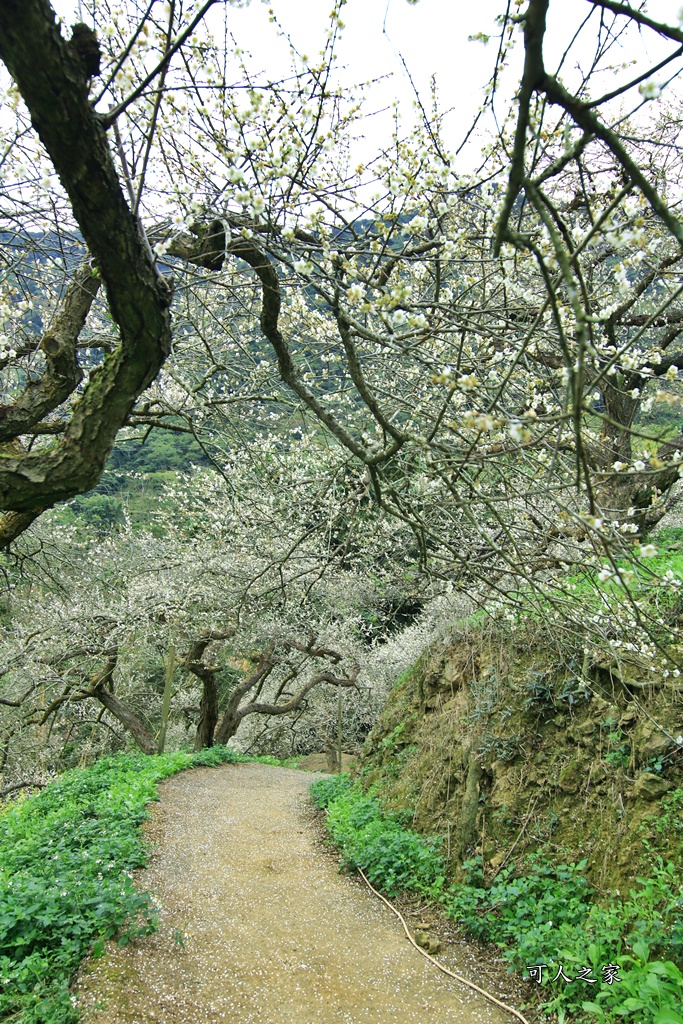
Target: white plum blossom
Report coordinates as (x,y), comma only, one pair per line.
(418,224)
(518,432)
(479,421)
(650,90)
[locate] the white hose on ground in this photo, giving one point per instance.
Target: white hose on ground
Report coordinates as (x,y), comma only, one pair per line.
(458,977)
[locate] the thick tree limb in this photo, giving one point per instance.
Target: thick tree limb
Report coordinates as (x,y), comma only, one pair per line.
(127,718)
(18,703)
(208,705)
(62,374)
(295,703)
(236,711)
(248,251)
(231,719)
(51,80)
(13,524)
(205,252)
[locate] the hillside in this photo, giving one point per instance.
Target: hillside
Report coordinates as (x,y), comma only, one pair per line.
(493,743)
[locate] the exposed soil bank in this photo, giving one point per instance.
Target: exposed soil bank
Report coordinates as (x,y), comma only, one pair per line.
(502,748)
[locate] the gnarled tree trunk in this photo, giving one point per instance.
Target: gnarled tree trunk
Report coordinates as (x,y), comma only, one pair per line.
(127,718)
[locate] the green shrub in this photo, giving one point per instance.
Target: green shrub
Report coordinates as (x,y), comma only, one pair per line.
(394,858)
(66,858)
(212,756)
(548,916)
(650,991)
(520,909)
(544,914)
(325,791)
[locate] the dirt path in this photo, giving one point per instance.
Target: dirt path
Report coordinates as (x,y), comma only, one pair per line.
(257,927)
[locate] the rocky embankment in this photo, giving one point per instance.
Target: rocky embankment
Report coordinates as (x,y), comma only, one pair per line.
(502,750)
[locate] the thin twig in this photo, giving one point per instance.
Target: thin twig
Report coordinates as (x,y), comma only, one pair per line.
(521,833)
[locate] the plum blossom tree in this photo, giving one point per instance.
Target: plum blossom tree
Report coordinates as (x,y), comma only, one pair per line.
(257,627)
(379,323)
(491,355)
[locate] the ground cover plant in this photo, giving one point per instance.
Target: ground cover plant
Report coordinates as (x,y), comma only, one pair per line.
(544,916)
(66,858)
(392,856)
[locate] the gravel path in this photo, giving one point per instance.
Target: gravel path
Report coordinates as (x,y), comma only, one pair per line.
(257,926)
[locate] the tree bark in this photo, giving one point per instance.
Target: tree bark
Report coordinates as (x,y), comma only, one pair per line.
(619,492)
(52,82)
(208,711)
(166,700)
(235,712)
(127,718)
(63,373)
(208,706)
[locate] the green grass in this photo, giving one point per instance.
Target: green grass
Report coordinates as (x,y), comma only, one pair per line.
(537,912)
(576,596)
(66,858)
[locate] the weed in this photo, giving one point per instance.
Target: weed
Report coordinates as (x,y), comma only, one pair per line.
(484,697)
(537,912)
(657,764)
(66,858)
(538,691)
(393,857)
(650,990)
(549,916)
(503,748)
(326,791)
(619,751)
(573,691)
(391,741)
(669,819)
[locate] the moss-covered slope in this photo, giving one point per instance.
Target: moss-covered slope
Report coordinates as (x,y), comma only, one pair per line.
(502,748)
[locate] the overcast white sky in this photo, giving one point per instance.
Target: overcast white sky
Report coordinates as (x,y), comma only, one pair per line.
(432,38)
